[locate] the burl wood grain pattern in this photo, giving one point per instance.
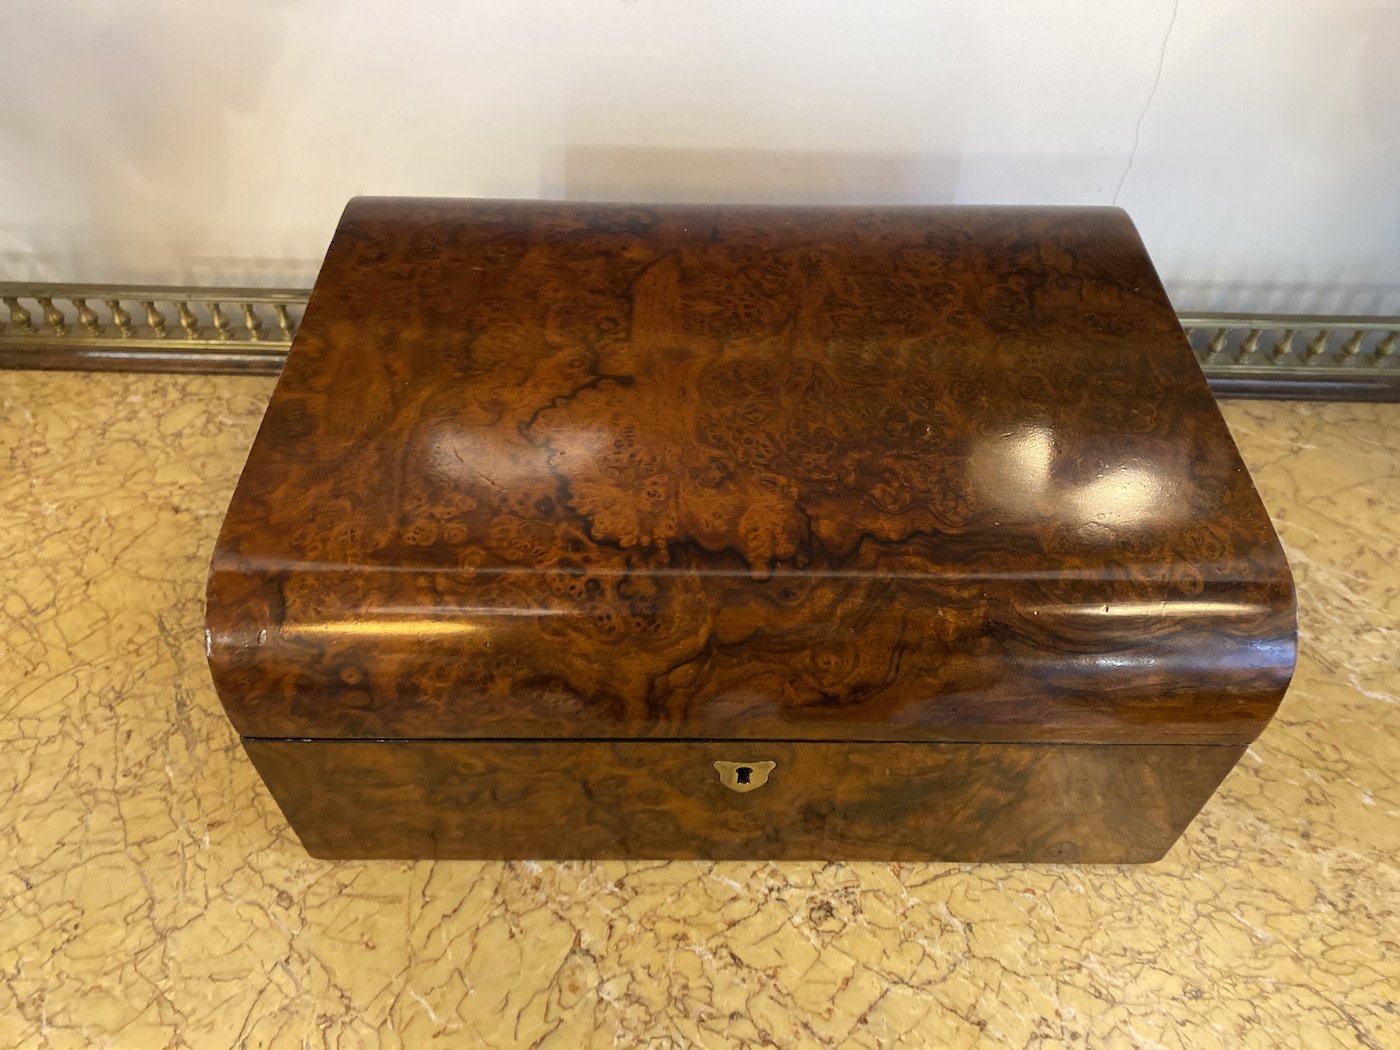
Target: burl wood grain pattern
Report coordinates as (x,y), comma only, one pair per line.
(1085,803)
(559,470)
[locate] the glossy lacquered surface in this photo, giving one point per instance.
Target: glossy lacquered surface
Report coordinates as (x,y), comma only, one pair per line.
(561,470)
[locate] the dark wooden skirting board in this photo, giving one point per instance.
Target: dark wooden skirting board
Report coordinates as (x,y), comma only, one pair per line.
(1323,357)
(1078,803)
(1260,384)
(1334,386)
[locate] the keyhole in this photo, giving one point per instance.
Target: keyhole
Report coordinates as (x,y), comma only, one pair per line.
(749,777)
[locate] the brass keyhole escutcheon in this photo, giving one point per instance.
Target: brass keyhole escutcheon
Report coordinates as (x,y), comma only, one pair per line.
(744,776)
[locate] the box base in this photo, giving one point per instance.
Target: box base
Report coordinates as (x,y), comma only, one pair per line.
(586,800)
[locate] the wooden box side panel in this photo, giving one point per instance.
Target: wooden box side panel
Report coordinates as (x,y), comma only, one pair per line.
(1085,803)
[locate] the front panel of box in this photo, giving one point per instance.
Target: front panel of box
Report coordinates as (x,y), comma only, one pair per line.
(1090,803)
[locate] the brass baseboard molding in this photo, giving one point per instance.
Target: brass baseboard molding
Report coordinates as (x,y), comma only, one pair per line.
(136,328)
(1297,356)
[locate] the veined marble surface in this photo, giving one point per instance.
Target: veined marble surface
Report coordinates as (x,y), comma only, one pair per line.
(151,894)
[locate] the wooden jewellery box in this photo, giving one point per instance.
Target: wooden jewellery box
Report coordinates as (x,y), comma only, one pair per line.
(591,530)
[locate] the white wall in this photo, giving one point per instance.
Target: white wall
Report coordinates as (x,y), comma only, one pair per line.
(1257,143)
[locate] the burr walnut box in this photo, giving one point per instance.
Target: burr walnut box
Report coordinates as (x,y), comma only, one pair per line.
(584,530)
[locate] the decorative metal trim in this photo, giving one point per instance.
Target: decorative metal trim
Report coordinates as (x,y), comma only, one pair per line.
(1286,356)
(138,328)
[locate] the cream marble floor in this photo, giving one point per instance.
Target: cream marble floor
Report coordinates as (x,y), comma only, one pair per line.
(151,895)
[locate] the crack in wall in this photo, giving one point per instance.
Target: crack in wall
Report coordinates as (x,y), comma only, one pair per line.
(1151,95)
